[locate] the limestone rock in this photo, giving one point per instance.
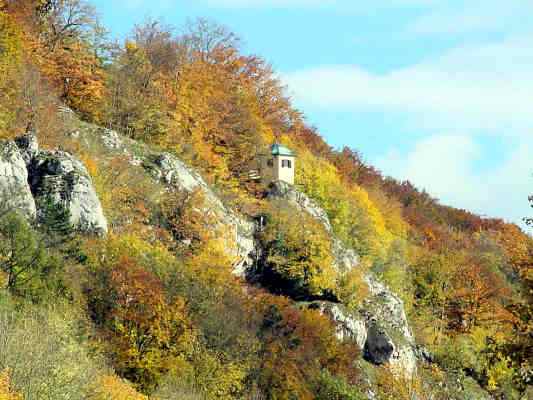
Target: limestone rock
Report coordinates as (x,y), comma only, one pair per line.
(378,347)
(28,146)
(288,192)
(239,233)
(345,259)
(376,334)
(349,325)
(14,188)
(60,177)
(111,139)
(385,311)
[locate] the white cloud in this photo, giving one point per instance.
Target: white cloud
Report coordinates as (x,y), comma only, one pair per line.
(476,90)
(461,17)
(444,166)
(476,87)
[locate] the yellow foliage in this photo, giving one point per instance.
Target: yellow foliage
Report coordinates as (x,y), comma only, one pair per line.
(352,288)
(299,250)
(499,372)
(6,392)
(211,265)
(110,387)
(131,245)
(218,380)
(10,58)
(355,219)
(125,193)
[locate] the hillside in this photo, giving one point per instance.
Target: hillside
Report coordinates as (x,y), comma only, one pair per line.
(140,258)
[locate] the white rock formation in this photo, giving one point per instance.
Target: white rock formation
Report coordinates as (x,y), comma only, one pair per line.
(15,191)
(238,232)
(59,177)
(380,326)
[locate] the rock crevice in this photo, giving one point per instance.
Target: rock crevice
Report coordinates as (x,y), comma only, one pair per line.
(379,326)
(30,177)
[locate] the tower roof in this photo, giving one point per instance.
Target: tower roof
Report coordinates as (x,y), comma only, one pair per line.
(280,150)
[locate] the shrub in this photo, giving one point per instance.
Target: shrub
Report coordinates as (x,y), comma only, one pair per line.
(24,259)
(44,354)
(355,219)
(298,258)
(330,387)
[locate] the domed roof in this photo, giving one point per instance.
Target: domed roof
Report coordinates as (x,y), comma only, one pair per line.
(280,150)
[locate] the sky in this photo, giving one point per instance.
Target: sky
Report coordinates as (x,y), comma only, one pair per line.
(439,92)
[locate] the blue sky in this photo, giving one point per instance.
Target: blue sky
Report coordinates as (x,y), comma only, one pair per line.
(436,91)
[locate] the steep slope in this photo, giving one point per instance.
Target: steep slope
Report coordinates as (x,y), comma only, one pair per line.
(346,254)
(384,333)
(34,179)
(379,318)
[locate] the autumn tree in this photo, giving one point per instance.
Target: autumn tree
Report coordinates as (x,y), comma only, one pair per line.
(10,61)
(6,391)
(297,346)
(146,331)
(23,257)
(298,257)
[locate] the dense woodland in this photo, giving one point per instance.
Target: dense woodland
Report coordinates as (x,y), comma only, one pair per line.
(138,315)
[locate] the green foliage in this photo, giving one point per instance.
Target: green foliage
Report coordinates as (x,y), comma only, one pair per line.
(298,257)
(57,230)
(44,352)
(334,388)
(354,217)
(24,261)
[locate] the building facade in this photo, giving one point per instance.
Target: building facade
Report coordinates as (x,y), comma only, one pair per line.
(279,165)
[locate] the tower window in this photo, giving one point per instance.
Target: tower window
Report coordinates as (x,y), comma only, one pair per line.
(286,164)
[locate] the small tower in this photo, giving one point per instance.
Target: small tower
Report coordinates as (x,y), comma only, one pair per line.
(279,165)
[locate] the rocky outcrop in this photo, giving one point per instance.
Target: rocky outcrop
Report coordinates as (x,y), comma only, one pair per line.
(238,232)
(28,146)
(379,326)
(58,177)
(383,338)
(350,326)
(378,347)
(29,177)
(345,259)
(174,174)
(14,188)
(385,311)
(300,200)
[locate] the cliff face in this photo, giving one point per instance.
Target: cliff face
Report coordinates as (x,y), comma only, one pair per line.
(174,174)
(379,326)
(29,177)
(14,188)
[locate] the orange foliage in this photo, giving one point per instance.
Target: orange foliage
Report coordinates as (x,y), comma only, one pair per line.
(6,392)
(145,331)
(110,387)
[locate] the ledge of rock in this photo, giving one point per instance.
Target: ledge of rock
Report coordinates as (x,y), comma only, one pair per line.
(59,177)
(238,232)
(28,177)
(14,188)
